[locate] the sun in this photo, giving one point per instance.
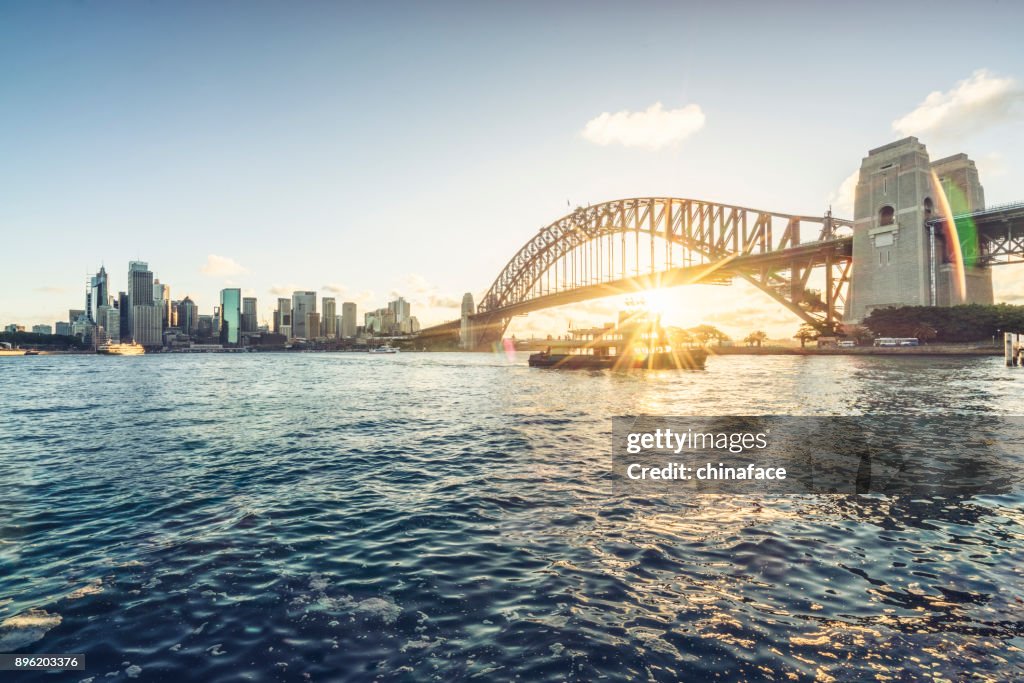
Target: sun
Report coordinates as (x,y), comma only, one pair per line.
(658,301)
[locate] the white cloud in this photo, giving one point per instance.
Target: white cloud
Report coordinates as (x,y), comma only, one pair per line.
(841,200)
(221,266)
(334,288)
(980,101)
(284,290)
(992,165)
(654,128)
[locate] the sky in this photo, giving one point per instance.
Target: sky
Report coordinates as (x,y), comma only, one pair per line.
(366,150)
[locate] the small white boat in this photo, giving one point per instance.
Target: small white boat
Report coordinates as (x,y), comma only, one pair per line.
(383,349)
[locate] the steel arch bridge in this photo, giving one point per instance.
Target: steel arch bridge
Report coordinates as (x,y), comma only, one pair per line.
(630,245)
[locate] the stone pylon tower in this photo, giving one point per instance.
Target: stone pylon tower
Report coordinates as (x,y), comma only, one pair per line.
(897,259)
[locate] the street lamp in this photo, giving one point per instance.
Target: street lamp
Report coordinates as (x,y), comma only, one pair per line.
(996,337)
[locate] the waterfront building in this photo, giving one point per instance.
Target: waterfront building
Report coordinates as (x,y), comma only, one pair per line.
(349,322)
(400,310)
(188,316)
(204,327)
(409,326)
(83,329)
(140,293)
(230,316)
(42,329)
(74,314)
(371,323)
(312,325)
(465,331)
(14,327)
(63,329)
(330,325)
(162,300)
(110,319)
(147,325)
(97,294)
(283,315)
(250,321)
(286,331)
(122,309)
(303,303)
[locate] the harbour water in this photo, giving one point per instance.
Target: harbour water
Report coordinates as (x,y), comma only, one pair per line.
(336,517)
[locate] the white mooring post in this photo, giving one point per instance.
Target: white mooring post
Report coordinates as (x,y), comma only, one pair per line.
(1008,349)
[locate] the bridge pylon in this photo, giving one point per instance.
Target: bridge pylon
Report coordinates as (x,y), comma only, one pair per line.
(898,258)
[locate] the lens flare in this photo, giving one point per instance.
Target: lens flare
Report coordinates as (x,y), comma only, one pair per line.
(956,256)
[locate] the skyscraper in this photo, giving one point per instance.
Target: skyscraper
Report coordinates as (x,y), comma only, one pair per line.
(122,311)
(465,327)
(400,309)
(188,316)
(162,300)
(349,322)
(140,293)
(303,303)
(97,296)
(249,317)
(312,323)
(283,315)
(230,317)
(330,319)
(147,325)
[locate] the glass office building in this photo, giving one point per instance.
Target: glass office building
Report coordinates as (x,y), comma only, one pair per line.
(230,317)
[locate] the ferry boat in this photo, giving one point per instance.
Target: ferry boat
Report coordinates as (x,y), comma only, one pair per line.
(132,349)
(637,342)
(383,349)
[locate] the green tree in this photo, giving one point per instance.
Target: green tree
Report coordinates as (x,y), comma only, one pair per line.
(704,334)
(755,338)
(805,333)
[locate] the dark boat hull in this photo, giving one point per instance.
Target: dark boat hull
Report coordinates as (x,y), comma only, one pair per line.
(686,359)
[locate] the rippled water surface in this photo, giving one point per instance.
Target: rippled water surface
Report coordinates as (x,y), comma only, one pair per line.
(419,517)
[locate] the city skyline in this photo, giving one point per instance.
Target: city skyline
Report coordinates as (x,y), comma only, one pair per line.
(224,167)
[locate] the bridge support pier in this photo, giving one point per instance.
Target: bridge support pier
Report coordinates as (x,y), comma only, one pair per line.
(897,260)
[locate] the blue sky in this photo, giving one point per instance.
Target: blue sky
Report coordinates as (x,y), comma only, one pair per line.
(362,149)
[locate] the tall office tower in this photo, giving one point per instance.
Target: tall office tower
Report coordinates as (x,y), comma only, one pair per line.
(250,321)
(330,317)
(230,317)
(122,310)
(204,327)
(303,303)
(188,316)
(387,320)
(162,300)
(283,315)
(312,325)
(140,293)
(348,320)
(466,340)
(111,321)
(399,308)
(98,290)
(147,325)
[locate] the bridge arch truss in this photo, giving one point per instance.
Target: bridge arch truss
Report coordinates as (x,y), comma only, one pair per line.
(632,244)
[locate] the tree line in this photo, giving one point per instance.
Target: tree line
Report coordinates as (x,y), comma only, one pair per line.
(965,323)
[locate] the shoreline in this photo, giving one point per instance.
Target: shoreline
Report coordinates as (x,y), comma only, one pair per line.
(933,350)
